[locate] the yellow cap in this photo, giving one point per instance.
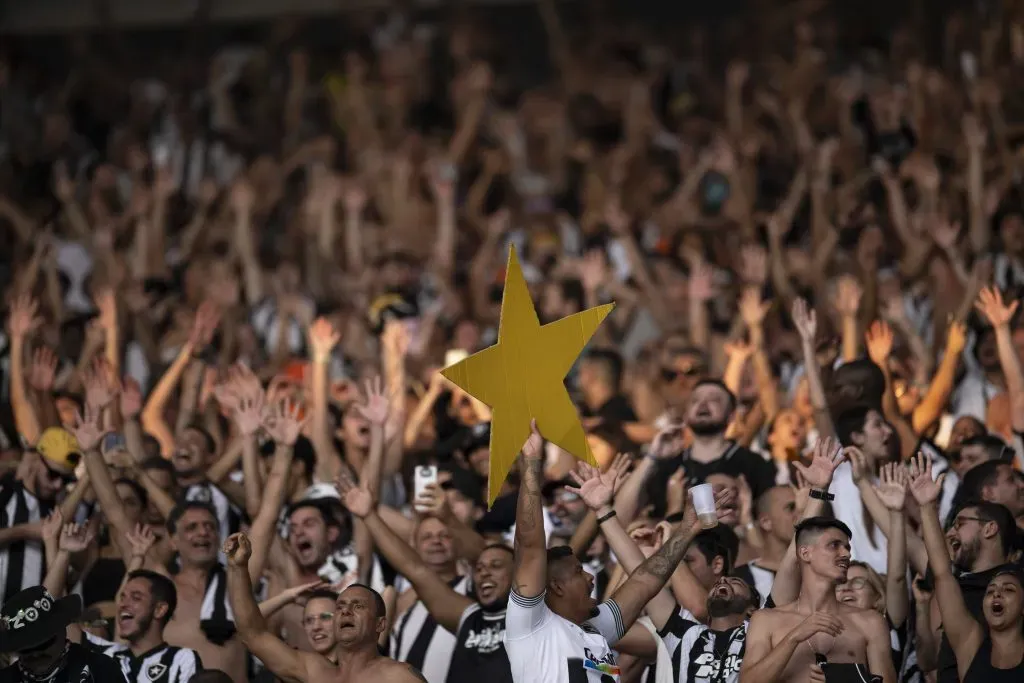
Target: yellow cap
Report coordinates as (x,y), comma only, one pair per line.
(60,447)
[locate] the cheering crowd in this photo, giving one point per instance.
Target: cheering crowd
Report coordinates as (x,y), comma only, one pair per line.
(231,278)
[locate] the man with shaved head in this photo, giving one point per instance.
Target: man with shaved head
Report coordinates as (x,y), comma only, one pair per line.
(775,514)
(360,617)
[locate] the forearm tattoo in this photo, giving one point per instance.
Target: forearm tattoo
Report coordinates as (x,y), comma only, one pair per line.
(662,563)
(528,510)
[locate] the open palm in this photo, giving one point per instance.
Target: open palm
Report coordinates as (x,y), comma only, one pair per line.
(892,486)
(826,458)
(923,487)
(596,488)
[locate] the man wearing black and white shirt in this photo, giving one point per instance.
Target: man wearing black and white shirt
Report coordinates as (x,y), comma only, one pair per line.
(144,606)
(554,631)
(26,498)
(478,625)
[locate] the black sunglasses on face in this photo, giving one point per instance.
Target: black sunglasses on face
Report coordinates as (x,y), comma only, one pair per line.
(671,374)
(57,475)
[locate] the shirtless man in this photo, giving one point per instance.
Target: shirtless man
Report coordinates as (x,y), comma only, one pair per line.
(193,531)
(359,619)
(790,643)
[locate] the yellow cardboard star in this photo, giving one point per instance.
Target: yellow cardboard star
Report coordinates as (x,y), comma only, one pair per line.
(521,377)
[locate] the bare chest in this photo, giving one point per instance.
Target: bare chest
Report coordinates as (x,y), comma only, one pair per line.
(850,646)
(184,630)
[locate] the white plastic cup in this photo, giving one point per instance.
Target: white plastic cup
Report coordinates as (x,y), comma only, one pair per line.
(704,503)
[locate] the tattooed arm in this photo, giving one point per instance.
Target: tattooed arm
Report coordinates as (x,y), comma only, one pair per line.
(530,577)
(650,577)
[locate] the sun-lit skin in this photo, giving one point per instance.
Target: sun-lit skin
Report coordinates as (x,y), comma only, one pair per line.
(859,591)
(318,623)
(1003,605)
(492,576)
(355,618)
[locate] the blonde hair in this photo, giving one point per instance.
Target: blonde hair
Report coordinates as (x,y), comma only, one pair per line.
(875,580)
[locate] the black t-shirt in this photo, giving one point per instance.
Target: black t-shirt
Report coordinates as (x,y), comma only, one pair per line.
(82,665)
(734,461)
(617,409)
(479,653)
(973,588)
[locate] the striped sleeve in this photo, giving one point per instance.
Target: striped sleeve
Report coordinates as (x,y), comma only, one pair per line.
(186,665)
(525,616)
(608,621)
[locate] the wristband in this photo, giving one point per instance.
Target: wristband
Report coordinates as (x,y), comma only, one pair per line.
(605,517)
(822,495)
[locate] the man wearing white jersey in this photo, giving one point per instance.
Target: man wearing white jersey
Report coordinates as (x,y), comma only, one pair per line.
(554,631)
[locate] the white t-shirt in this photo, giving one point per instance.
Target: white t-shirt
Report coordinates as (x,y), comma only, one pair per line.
(543,647)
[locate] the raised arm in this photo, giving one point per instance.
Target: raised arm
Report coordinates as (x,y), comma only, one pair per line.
(806,322)
(444,604)
(286,662)
(892,491)
(990,303)
(283,424)
(816,477)
(650,577)
(529,577)
(322,339)
(963,630)
(21,322)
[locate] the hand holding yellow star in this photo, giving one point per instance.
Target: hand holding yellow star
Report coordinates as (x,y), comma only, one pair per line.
(521,377)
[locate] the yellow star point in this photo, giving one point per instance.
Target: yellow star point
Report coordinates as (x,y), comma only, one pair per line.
(521,377)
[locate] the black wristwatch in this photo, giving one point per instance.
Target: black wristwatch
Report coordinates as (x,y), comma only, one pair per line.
(822,495)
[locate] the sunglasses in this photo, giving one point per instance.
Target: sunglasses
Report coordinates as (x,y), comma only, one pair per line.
(672,374)
(57,475)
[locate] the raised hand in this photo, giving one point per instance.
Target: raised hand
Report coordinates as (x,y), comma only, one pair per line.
(42,369)
(847,297)
(892,486)
(921,596)
(801,492)
(52,526)
(956,337)
(752,309)
(675,491)
(879,339)
(738,349)
(754,266)
(86,429)
(107,306)
(432,500)
(322,339)
(250,413)
(357,499)
(141,540)
(395,338)
(131,398)
(924,489)
(100,386)
(23,317)
(593,270)
(205,324)
(238,550)
(667,443)
(805,320)
(75,538)
(533,449)
(826,457)
(299,594)
(990,304)
(284,423)
(596,488)
(858,462)
(376,408)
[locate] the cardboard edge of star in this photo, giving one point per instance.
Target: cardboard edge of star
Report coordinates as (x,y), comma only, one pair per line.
(521,377)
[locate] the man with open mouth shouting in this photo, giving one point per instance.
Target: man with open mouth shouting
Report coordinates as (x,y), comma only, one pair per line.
(359,619)
(478,626)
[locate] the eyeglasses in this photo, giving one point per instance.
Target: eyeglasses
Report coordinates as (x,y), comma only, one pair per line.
(315,618)
(859,583)
(960,519)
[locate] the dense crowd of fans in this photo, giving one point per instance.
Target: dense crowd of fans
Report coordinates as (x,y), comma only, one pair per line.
(231,280)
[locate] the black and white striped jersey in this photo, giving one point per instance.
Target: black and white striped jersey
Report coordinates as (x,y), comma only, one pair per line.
(418,640)
(163,664)
(701,655)
(22,563)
